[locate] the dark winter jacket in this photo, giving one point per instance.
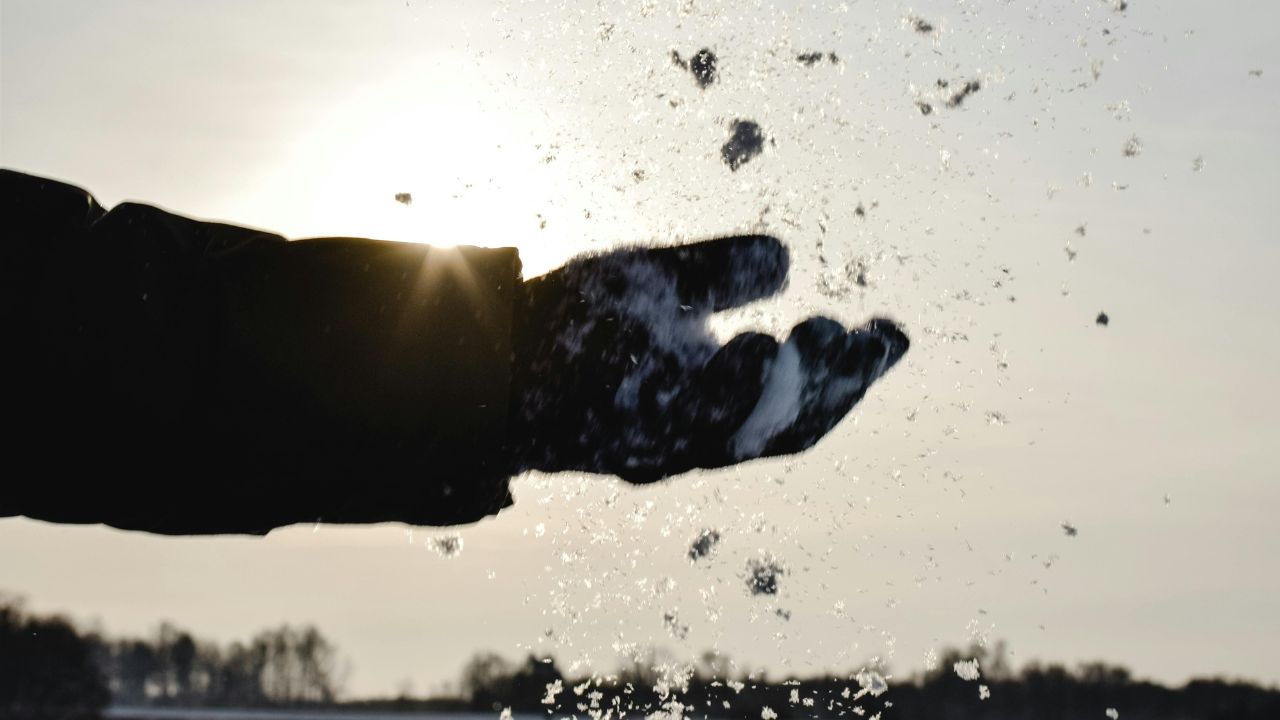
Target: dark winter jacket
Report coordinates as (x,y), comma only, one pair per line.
(165,374)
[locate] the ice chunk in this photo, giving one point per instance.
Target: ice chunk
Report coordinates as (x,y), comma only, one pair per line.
(745,142)
(703,544)
(762,576)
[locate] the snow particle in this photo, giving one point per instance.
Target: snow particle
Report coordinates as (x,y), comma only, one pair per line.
(404,198)
(553,689)
(1103,319)
(1070,529)
(984,692)
(1132,147)
(967,669)
(1113,713)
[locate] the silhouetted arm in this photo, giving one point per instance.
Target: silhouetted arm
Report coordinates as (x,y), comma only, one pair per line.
(183,377)
(188,377)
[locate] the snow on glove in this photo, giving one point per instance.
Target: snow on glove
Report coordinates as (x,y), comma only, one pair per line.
(616,372)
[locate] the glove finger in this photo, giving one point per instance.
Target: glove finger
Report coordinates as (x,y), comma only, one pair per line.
(714,401)
(723,395)
(725,272)
(821,372)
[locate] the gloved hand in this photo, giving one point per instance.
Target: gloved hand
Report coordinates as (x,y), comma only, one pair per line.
(615,371)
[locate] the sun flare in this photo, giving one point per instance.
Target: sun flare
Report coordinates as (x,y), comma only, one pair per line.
(409,164)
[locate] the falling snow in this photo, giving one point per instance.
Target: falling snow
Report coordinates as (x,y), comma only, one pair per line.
(967,669)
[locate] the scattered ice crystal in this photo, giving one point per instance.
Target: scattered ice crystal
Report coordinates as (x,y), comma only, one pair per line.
(967,669)
(1197,164)
(505,714)
(984,692)
(1113,713)
(767,713)
(404,198)
(1132,146)
(1069,529)
(1103,319)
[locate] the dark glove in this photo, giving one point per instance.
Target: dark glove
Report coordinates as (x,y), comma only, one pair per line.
(616,372)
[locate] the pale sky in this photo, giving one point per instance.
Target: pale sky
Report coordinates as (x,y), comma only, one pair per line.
(932,515)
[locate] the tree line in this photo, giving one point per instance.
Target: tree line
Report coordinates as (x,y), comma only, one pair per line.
(975,683)
(51,669)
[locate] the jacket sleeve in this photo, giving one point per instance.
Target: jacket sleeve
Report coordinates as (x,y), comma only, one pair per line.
(187,377)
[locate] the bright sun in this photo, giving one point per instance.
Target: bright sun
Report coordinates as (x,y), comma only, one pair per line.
(472,174)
